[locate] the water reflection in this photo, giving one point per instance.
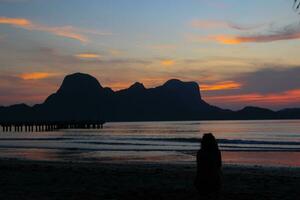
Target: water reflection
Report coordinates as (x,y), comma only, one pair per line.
(248,142)
(263,158)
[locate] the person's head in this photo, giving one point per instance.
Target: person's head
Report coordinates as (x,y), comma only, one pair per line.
(209,142)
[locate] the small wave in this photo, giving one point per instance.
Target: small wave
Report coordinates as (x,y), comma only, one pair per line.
(36,139)
(221,141)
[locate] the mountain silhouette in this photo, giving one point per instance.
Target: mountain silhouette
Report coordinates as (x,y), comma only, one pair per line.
(174,100)
(81,97)
(251,112)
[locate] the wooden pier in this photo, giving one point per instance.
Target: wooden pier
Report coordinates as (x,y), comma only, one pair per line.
(49,126)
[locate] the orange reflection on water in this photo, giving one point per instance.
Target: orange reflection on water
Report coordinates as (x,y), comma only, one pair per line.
(31,154)
(262,158)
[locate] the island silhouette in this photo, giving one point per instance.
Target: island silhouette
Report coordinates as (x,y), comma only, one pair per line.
(81,97)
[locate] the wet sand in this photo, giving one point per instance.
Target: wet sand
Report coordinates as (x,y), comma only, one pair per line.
(60,180)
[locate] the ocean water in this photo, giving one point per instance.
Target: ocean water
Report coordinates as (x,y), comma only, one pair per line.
(272,143)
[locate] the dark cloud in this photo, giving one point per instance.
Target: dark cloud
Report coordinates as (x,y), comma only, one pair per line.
(288,32)
(273,87)
(271,80)
(244,27)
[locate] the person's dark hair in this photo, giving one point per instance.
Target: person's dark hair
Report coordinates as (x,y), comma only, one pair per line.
(209,143)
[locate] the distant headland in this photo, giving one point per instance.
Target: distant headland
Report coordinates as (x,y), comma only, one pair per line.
(81,97)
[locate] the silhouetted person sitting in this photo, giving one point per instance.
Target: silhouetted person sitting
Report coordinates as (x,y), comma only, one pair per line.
(209,167)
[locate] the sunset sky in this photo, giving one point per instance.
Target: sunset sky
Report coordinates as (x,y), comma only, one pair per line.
(240,52)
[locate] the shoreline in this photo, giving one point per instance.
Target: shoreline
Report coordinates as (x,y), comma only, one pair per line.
(23,179)
(238,158)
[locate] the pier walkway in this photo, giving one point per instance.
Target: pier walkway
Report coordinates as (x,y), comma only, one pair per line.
(43,126)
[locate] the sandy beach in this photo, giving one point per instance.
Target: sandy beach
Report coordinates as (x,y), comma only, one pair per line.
(61,180)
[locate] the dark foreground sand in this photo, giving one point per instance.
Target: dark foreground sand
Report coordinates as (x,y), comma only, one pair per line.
(48,180)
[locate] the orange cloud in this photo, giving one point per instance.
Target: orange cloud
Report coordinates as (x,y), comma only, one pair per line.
(167,62)
(15,21)
(35,75)
(289,34)
(222,39)
(63,31)
(226,85)
(225,39)
(291,96)
(88,56)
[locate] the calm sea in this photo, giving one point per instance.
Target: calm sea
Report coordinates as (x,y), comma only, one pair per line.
(275,143)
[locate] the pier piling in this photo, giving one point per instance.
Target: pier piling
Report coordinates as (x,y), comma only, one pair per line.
(49,126)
